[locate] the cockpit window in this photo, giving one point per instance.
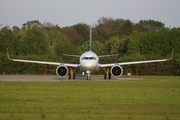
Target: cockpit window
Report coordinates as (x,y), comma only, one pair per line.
(92,58)
(88,58)
(85,58)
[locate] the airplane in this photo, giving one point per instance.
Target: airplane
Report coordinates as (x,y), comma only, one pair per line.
(89,63)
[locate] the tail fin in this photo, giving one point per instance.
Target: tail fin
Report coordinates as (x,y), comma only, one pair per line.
(90,46)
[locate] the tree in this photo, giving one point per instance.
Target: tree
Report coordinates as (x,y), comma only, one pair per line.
(127,28)
(104,29)
(64,46)
(16,28)
(149,25)
(31,24)
(134,42)
(117,27)
(71,33)
(6,38)
(145,40)
(34,42)
(97,47)
(53,34)
(78,33)
(116,45)
(82,31)
(108,27)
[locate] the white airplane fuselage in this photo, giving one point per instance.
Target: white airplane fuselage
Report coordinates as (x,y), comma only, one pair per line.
(89,62)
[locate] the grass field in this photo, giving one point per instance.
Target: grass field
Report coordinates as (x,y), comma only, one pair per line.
(154,98)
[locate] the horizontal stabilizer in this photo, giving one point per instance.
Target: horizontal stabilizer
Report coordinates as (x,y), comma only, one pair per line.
(71,55)
(108,55)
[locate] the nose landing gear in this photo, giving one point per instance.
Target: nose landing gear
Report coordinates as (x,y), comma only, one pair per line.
(89,75)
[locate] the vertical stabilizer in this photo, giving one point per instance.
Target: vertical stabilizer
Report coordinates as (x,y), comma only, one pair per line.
(90,46)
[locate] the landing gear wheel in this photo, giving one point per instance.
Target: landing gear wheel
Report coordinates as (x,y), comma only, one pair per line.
(69,76)
(104,76)
(88,77)
(74,76)
(109,76)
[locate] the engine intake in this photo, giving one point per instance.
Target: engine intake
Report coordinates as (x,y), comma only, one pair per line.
(116,70)
(61,70)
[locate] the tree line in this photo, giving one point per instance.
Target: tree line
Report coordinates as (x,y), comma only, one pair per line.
(147,39)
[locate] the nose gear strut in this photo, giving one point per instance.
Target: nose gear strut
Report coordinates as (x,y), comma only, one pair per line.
(89,75)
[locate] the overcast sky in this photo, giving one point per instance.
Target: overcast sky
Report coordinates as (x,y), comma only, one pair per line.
(70,12)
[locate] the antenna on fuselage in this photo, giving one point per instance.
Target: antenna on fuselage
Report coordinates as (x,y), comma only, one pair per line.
(90,46)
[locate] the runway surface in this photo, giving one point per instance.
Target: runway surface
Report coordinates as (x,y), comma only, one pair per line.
(54,78)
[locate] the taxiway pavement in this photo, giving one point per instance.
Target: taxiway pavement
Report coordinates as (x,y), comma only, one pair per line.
(54,78)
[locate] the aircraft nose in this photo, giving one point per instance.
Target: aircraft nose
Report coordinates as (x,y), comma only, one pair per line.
(88,65)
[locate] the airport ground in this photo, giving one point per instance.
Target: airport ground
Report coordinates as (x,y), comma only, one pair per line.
(55,78)
(51,97)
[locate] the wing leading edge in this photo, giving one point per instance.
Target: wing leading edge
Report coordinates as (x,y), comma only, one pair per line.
(42,62)
(136,62)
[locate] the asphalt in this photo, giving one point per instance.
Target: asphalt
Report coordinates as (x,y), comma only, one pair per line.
(54,78)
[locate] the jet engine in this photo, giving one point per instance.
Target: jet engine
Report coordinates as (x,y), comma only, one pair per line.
(61,70)
(116,70)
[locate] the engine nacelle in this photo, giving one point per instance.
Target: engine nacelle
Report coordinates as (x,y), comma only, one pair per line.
(116,70)
(61,70)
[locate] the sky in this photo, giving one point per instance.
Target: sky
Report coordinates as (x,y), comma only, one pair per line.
(70,12)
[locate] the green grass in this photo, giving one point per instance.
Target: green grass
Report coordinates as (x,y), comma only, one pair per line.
(155,98)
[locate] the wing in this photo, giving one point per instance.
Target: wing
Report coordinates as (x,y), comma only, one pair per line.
(136,62)
(43,62)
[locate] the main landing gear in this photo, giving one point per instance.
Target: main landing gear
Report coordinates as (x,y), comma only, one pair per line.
(72,73)
(107,74)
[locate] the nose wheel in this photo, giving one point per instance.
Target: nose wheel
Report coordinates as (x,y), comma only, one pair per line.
(89,75)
